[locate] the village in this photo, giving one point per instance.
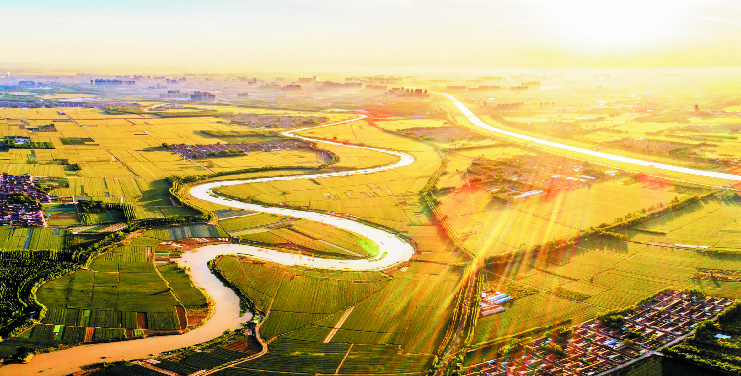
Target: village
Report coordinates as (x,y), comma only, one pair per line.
(277,121)
(600,345)
(491,302)
(20,202)
(223,150)
(523,176)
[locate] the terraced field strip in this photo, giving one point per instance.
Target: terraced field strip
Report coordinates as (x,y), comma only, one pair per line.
(339,324)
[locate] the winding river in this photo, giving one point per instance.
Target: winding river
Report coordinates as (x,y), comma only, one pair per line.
(225,316)
(392,250)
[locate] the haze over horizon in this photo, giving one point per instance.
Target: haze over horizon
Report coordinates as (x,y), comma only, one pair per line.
(223,36)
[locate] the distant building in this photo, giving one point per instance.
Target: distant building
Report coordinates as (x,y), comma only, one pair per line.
(292,87)
(249,80)
(339,85)
(174,94)
(176,80)
(306,80)
(202,96)
(26,84)
(107,82)
(376,87)
(484,88)
(408,92)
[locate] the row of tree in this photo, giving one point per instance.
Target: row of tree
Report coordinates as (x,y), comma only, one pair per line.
(23,271)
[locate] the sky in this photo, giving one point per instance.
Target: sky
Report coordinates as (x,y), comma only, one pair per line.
(293,35)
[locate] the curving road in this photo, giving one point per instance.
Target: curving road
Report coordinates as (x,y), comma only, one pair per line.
(392,250)
(476,121)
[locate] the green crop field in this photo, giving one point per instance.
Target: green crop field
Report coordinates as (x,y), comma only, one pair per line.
(195,231)
(110,292)
(249,221)
(105,334)
(542,218)
(715,223)
(364,359)
(385,311)
(281,290)
(614,274)
(300,235)
(300,356)
(31,238)
(569,235)
(188,295)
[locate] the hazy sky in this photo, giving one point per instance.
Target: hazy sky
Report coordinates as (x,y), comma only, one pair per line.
(271,35)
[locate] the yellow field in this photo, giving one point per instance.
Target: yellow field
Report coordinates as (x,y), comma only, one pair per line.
(394,125)
(354,133)
(130,146)
(492,229)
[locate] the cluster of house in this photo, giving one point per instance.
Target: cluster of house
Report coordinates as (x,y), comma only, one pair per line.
(680,246)
(15,212)
(57,103)
(491,302)
(526,176)
(407,92)
(278,121)
(23,104)
(216,150)
(593,348)
(11,141)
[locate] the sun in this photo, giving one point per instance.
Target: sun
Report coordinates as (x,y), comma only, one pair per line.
(613,23)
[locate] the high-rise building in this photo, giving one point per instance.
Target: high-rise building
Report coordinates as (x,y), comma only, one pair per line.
(202,96)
